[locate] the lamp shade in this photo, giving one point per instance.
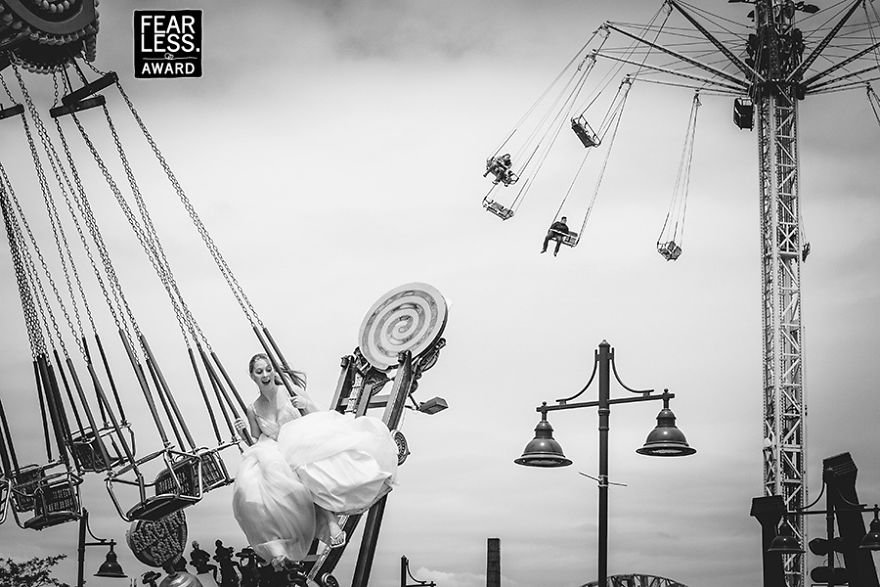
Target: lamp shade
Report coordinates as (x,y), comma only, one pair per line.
(110,567)
(543,450)
(785,542)
(871,540)
(666,440)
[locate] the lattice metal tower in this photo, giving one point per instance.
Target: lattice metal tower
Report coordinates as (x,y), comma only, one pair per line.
(776,98)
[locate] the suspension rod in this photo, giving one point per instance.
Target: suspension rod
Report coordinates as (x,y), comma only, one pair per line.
(142,381)
(91,418)
(195,367)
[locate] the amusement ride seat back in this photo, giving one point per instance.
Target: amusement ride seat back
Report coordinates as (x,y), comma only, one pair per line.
(584,132)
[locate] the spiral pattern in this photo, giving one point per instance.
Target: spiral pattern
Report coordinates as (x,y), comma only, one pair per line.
(408,318)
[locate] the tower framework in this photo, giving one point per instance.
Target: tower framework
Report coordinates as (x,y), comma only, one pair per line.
(768,71)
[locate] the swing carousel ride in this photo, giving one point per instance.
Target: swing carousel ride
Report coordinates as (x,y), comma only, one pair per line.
(789,51)
(84,396)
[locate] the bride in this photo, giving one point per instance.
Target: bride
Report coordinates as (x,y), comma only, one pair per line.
(305,467)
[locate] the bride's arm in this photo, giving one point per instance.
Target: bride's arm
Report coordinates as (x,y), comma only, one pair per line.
(249,438)
(303,402)
(300,399)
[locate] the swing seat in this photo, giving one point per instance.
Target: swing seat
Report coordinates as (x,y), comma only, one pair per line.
(183,484)
(158,506)
(177,487)
(87,451)
(744,113)
(23,487)
(669,250)
(583,131)
(498,209)
(56,501)
(569,239)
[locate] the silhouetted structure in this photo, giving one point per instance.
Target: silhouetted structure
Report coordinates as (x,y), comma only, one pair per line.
(493,563)
(228,567)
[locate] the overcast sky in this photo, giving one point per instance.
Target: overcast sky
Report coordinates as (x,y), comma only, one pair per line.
(335,150)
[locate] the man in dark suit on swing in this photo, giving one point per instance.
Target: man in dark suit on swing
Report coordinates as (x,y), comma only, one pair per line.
(557,231)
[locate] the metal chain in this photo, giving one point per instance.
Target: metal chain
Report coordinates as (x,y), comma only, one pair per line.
(55,218)
(79,194)
(149,228)
(57,231)
(35,277)
(115,287)
(132,221)
(242,299)
(27,303)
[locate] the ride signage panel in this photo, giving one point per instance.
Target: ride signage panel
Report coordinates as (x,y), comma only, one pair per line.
(157,543)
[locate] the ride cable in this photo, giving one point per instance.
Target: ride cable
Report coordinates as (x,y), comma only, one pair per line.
(611,123)
(542,137)
(261,331)
(671,238)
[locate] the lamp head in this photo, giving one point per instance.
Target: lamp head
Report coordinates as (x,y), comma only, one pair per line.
(543,450)
(666,440)
(785,542)
(111,567)
(871,540)
(433,405)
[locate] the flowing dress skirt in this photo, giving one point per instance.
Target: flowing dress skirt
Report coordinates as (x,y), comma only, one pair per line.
(336,461)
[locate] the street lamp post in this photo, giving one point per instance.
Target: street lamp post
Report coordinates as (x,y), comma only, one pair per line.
(109,568)
(666,440)
(406,575)
(854,541)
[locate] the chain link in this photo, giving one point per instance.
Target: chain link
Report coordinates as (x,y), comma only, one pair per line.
(243,301)
(150,232)
(132,221)
(57,230)
(27,303)
(79,195)
(33,273)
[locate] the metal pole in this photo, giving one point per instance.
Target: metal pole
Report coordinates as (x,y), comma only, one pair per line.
(829,528)
(81,550)
(604,413)
(403,565)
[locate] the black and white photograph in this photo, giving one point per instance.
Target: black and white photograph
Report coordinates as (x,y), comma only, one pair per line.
(399,293)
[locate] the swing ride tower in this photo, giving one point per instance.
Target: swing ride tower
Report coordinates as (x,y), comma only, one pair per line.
(776,98)
(768,68)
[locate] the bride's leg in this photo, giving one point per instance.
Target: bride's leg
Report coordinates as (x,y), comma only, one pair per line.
(337,536)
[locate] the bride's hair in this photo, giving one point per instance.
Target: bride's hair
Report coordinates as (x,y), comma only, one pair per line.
(298,377)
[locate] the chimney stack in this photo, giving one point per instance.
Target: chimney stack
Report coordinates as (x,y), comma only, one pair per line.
(493,563)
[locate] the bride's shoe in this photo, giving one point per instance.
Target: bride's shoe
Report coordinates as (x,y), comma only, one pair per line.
(338,541)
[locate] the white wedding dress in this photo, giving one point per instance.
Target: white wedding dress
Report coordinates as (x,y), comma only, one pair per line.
(341,463)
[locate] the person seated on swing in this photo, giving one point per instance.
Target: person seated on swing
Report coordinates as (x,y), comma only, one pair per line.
(557,231)
(501,168)
(304,467)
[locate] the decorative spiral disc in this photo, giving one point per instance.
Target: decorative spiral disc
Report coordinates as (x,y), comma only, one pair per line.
(402,446)
(410,317)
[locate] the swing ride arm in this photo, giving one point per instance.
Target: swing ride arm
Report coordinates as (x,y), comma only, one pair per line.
(748,71)
(685,58)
